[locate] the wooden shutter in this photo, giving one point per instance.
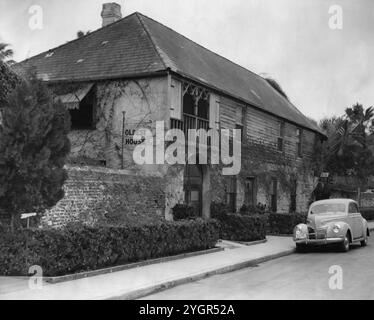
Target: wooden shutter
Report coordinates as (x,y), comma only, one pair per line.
(214,111)
(176,100)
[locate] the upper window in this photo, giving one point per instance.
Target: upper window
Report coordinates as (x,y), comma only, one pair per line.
(83,117)
(280,142)
(80,100)
(195,101)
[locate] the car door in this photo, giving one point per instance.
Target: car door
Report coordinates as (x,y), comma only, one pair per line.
(354,218)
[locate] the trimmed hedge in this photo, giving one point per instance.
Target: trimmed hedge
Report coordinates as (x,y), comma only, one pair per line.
(79,248)
(367,213)
(183,212)
(284,223)
(237,227)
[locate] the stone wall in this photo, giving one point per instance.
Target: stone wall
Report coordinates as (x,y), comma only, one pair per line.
(143,101)
(100,194)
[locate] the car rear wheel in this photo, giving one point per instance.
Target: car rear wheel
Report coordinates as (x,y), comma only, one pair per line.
(344,246)
(365,241)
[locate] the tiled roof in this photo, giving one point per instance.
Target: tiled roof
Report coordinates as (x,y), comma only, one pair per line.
(137,45)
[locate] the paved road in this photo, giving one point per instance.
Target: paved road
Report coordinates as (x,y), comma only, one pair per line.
(298,276)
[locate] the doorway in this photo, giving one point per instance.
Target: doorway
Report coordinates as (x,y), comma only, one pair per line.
(193,185)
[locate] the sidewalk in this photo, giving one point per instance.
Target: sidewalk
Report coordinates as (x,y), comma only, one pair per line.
(137,282)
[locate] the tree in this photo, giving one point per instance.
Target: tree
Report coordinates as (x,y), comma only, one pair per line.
(347,149)
(8,81)
(33,148)
(6,54)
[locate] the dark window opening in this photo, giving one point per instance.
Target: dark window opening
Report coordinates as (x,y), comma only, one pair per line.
(193,181)
(83,117)
(293,196)
(231,194)
(188,104)
(203,109)
(274,195)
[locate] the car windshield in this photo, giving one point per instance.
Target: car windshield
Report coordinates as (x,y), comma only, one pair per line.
(328,208)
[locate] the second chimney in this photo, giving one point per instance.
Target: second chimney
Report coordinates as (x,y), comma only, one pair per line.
(111,13)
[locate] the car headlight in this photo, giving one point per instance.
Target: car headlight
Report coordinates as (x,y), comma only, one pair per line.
(336,228)
(300,232)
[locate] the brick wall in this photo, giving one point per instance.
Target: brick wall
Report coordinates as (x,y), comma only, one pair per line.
(100,194)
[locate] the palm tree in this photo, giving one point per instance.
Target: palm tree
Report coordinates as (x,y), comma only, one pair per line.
(6,54)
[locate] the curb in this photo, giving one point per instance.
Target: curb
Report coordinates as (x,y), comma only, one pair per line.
(81,275)
(170,284)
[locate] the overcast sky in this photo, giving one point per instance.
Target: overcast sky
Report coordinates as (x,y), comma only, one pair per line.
(322,70)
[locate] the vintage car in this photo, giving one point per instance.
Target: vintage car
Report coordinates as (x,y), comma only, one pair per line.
(332,221)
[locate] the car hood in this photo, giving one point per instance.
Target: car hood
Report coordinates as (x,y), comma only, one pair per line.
(317,220)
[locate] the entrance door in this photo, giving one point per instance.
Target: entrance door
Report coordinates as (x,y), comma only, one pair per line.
(193,184)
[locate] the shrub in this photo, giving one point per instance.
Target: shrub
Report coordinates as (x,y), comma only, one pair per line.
(237,227)
(219,210)
(284,223)
(183,212)
(77,248)
(253,210)
(368,213)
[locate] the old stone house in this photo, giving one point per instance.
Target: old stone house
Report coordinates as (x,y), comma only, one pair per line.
(138,66)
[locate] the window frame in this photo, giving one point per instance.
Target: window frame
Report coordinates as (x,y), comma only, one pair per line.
(281,135)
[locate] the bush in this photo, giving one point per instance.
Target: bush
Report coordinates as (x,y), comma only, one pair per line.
(79,248)
(184,212)
(219,210)
(238,227)
(368,213)
(284,223)
(253,210)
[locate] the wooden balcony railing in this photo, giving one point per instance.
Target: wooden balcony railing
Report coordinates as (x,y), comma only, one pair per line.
(189,122)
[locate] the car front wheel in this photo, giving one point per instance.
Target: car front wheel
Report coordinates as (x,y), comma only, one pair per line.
(301,247)
(344,246)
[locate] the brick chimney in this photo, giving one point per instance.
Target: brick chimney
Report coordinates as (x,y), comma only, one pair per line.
(111,13)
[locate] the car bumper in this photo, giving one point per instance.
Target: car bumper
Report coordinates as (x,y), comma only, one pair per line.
(319,241)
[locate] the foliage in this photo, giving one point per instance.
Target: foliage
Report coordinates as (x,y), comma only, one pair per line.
(238,227)
(183,212)
(219,210)
(348,151)
(367,213)
(33,149)
(284,223)
(253,209)
(6,54)
(77,248)
(8,81)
